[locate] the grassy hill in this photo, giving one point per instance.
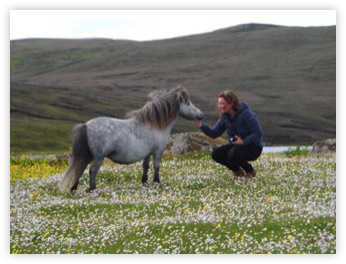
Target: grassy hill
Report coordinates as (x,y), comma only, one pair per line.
(286,74)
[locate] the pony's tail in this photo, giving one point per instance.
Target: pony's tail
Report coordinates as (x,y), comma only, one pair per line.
(80,158)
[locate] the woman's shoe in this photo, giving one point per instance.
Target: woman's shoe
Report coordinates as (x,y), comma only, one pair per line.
(238,174)
(251,174)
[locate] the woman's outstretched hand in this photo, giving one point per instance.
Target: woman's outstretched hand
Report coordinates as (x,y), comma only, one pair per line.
(197,123)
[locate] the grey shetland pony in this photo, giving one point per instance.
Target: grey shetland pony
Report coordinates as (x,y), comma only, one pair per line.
(144,134)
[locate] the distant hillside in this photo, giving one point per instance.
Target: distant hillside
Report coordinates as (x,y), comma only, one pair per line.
(286,74)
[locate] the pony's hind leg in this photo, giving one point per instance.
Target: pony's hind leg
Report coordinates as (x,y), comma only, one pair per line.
(145,166)
(79,172)
(93,173)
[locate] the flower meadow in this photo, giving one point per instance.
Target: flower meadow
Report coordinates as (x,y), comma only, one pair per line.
(289,208)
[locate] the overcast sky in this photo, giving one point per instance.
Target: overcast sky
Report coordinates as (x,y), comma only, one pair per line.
(150,24)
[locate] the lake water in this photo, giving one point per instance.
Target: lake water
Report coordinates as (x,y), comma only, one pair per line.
(282,148)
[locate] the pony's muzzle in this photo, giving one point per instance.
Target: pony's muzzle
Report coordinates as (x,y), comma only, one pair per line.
(200,117)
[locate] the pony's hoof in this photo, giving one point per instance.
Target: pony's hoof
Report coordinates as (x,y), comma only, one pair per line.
(145,184)
(156,185)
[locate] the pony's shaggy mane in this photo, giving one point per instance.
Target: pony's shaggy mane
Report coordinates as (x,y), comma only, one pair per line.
(163,109)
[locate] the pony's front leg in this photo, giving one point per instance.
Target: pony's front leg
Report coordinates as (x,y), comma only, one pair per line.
(145,166)
(156,162)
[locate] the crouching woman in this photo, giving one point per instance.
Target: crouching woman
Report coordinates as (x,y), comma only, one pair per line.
(244,134)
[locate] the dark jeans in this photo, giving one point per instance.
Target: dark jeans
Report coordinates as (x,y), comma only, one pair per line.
(236,157)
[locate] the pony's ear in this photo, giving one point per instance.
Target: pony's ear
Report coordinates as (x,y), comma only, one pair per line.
(182,94)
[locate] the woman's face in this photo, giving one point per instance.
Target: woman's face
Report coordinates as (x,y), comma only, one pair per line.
(224,106)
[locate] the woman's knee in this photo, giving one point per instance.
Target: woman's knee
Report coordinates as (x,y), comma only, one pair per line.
(215,155)
(219,154)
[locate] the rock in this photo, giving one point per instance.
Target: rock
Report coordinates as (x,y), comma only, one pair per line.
(324,146)
(60,159)
(182,143)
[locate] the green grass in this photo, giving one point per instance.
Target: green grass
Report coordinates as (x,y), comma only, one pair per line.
(50,133)
(297,151)
(289,208)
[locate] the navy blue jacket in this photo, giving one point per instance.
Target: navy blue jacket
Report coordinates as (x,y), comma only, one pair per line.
(244,124)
